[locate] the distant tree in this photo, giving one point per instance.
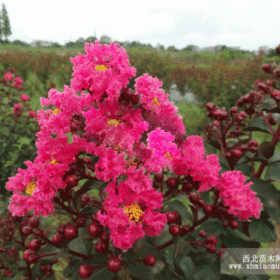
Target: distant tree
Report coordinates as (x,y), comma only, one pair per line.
(6,22)
(191,48)
(80,43)
(120,43)
(19,43)
(90,39)
(70,45)
(264,50)
(56,45)
(172,49)
(104,39)
(135,44)
(1,26)
(125,43)
(160,47)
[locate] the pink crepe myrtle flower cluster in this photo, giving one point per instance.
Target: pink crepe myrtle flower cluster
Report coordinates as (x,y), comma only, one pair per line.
(24,97)
(18,82)
(130,215)
(122,136)
(32,114)
(8,76)
(17,108)
(239,197)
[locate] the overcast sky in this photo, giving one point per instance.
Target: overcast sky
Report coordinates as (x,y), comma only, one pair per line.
(247,24)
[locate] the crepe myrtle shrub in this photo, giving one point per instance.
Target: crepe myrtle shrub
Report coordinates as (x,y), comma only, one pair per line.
(101,233)
(18,128)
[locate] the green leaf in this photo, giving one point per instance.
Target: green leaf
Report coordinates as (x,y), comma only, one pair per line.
(241,142)
(5,100)
(168,255)
(102,273)
(186,264)
(266,192)
(238,233)
(50,249)
(224,165)
(164,237)
(244,168)
(274,213)
(64,249)
(206,272)
(72,269)
(231,241)
(275,157)
(181,246)
(212,227)
(165,274)
(180,207)
(272,171)
(257,124)
(262,231)
(89,209)
(80,246)
(86,187)
(250,157)
(140,271)
(215,144)
(70,137)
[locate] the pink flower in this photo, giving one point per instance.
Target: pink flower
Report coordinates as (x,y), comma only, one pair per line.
(238,196)
(193,162)
(17,85)
(17,109)
(103,68)
(32,114)
(131,216)
(119,125)
(157,110)
(164,150)
(8,76)
(18,80)
(24,97)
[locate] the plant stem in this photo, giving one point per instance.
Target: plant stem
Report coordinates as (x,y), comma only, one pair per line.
(274,141)
(68,209)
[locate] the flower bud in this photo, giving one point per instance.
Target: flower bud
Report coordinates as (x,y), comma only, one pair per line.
(185,229)
(174,230)
(33,222)
(233,110)
(158,177)
(172,183)
(114,265)
(202,233)
(194,198)
(233,224)
(171,217)
(149,260)
(211,106)
(267,68)
(211,239)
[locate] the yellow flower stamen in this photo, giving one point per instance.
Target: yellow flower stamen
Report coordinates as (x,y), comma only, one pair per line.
(168,156)
(100,67)
(133,211)
(236,197)
(155,101)
(54,162)
(113,122)
(30,187)
(56,111)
